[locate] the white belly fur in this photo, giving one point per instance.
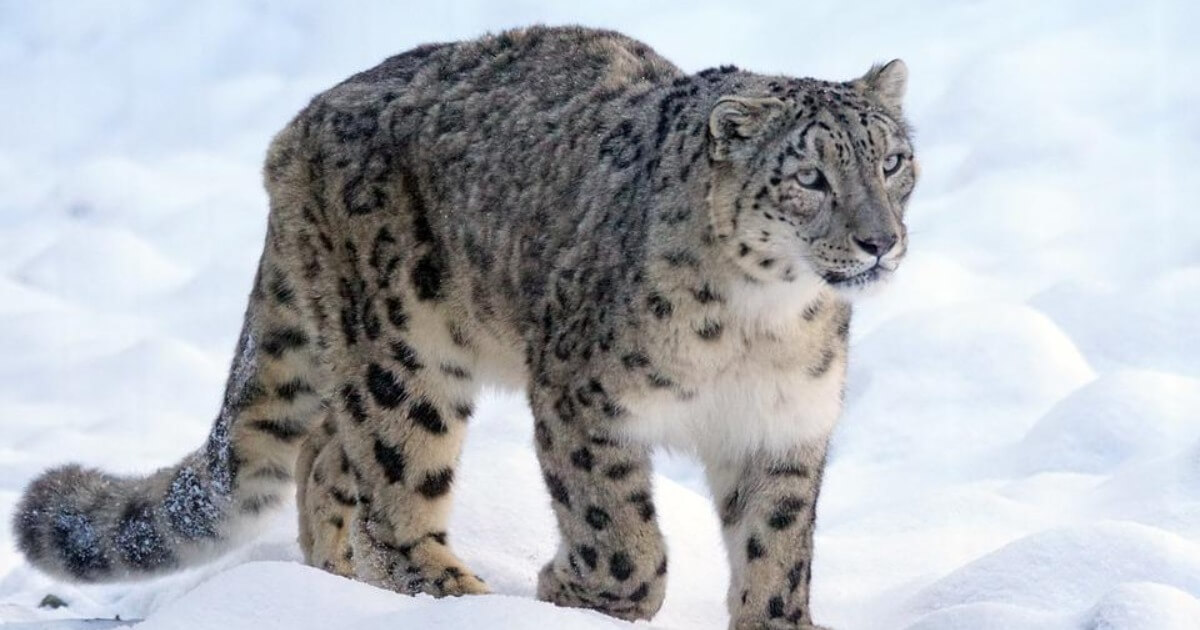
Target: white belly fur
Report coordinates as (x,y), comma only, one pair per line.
(753,397)
(742,413)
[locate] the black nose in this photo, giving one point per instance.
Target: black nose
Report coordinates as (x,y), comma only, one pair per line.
(876,245)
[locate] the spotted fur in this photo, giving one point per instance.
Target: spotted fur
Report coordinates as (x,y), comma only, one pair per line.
(656,258)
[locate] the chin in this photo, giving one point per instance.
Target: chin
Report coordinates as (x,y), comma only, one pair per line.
(865,284)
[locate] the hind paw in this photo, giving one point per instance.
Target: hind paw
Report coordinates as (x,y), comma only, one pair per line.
(427,566)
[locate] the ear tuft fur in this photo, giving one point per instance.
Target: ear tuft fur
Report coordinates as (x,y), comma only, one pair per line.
(887,83)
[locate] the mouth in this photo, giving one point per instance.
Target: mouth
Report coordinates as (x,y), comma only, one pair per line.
(865,278)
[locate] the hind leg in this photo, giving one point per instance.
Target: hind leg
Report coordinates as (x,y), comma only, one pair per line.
(401,371)
(326,498)
(403,455)
(404,401)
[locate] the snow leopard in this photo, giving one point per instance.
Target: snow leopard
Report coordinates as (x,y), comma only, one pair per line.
(654,258)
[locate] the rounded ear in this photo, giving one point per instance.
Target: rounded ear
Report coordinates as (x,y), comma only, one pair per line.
(886,83)
(738,122)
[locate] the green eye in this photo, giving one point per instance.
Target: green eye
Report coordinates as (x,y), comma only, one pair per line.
(812,179)
(892,163)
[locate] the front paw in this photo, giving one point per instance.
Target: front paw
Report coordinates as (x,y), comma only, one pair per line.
(629,602)
(772,624)
(776,615)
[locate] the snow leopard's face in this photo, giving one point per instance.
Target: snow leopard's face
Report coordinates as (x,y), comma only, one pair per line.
(816,180)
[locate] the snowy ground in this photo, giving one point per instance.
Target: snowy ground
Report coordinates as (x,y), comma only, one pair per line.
(1021,447)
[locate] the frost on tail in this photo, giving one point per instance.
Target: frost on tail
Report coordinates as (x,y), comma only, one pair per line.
(86,525)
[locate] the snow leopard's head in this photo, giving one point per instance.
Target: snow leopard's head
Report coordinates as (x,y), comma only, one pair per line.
(811,178)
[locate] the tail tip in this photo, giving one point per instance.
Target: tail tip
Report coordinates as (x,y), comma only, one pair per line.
(53,529)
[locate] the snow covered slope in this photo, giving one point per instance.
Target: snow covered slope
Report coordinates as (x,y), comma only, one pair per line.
(1021,448)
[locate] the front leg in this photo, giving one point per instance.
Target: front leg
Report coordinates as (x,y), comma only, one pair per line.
(611,557)
(767,506)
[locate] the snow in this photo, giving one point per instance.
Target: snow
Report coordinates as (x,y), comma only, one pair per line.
(1021,444)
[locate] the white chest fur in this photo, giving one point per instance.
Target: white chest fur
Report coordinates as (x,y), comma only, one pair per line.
(761,389)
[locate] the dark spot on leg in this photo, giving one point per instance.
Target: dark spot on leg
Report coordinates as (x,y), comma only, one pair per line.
(343,497)
(427,417)
(617,472)
(437,483)
(785,512)
(405,355)
(710,331)
(387,390)
(645,506)
(458,336)
(754,549)
(795,575)
(255,504)
(558,490)
(293,389)
(611,409)
(731,508)
(588,555)
(272,472)
(276,342)
(395,313)
(659,306)
(565,408)
(597,517)
(427,278)
(775,607)
(635,360)
(811,311)
(541,434)
(823,364)
(282,291)
(582,458)
(706,295)
(390,460)
(353,402)
(789,470)
(658,381)
(455,371)
(620,566)
(283,429)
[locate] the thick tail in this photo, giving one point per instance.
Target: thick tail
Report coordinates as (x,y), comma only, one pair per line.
(90,526)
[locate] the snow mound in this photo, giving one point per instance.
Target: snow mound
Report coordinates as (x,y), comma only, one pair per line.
(1144,606)
(1068,569)
(990,616)
(1118,417)
(1163,492)
(102,266)
(1144,324)
(978,375)
(184,380)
